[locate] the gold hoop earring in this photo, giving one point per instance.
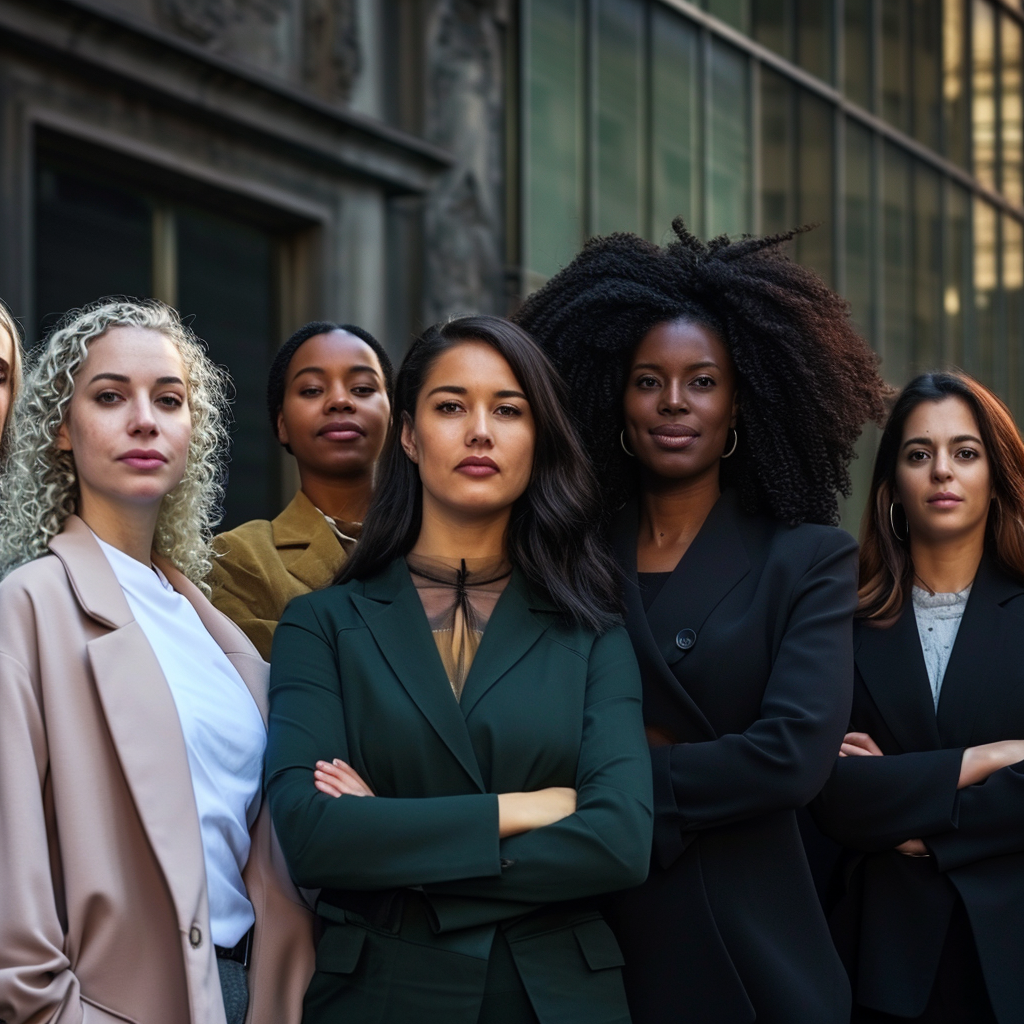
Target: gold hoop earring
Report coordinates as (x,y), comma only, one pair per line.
(892,523)
(622,441)
(735,441)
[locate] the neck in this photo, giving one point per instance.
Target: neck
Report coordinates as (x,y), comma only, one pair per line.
(672,512)
(128,528)
(949,566)
(347,498)
(443,535)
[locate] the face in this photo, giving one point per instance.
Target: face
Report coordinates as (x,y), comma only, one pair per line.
(473,435)
(128,425)
(943,474)
(336,410)
(680,401)
(6,375)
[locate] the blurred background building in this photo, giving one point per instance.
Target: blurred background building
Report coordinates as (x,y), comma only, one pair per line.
(260,163)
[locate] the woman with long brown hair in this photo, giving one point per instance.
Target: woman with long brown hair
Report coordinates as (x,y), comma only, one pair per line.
(928,794)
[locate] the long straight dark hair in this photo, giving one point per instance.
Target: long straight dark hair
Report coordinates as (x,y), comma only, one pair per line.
(553,534)
(886,571)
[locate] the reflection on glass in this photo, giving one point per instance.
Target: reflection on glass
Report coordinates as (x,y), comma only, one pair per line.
(927,189)
(554,201)
(778,138)
(1013,291)
(857,56)
(732,12)
(859,238)
(816,174)
(617,193)
(986,287)
(814,37)
(983,83)
(957,288)
(926,62)
(896,256)
(729,157)
(954,87)
(772,25)
(675,132)
(1012,125)
(895,49)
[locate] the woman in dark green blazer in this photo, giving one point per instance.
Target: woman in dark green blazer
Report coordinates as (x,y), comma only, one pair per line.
(457,758)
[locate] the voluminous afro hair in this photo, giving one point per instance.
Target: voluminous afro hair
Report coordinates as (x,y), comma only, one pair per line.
(806,381)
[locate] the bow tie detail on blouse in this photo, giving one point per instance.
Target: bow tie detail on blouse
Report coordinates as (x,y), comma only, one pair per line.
(458,598)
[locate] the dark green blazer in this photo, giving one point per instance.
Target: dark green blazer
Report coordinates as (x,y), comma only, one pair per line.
(415,881)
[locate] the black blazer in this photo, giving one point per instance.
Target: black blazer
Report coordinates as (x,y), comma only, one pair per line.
(748,664)
(894,913)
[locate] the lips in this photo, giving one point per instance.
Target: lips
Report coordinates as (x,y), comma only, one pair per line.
(477,466)
(674,436)
(143,458)
(945,499)
(342,430)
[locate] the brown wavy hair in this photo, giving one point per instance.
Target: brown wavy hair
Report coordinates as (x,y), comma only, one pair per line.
(886,571)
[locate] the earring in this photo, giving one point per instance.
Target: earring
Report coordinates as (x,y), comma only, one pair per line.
(892,522)
(735,441)
(622,441)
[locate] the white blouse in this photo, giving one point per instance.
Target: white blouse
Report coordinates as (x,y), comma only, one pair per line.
(224,734)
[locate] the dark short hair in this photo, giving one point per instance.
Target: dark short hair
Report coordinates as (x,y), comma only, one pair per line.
(553,537)
(279,367)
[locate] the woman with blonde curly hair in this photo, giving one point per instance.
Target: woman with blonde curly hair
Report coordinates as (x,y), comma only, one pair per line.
(137,871)
(10,365)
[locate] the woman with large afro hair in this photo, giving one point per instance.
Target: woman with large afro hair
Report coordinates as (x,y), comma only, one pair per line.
(720,389)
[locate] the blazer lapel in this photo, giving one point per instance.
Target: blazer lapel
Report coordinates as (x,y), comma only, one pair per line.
(302,524)
(983,633)
(654,669)
(142,719)
(394,614)
(891,663)
(514,627)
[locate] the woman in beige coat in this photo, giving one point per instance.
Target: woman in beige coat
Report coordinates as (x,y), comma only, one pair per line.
(139,875)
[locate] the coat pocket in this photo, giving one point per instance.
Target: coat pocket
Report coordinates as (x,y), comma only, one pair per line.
(339,948)
(598,945)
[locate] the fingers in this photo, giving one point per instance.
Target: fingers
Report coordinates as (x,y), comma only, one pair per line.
(851,750)
(862,740)
(335,778)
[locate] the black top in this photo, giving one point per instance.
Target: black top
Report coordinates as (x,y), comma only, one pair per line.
(746,658)
(650,586)
(895,912)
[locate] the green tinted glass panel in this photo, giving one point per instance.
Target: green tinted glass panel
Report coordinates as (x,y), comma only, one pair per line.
(729,156)
(732,12)
(814,37)
(676,151)
(859,244)
(772,25)
(957,288)
(954,82)
(1012,127)
(857,51)
(927,190)
(778,141)
(618,117)
(983,98)
(986,289)
(1013,289)
(895,51)
(554,201)
(898,268)
(926,71)
(816,177)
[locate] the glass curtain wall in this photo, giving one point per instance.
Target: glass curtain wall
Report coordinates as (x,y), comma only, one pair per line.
(896,127)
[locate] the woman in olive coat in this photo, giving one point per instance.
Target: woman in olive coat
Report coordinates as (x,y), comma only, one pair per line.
(457,758)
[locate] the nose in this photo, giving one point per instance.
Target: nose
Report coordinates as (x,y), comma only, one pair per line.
(673,397)
(339,399)
(142,422)
(942,466)
(478,428)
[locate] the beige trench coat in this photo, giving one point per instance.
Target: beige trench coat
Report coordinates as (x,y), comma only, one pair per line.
(103,903)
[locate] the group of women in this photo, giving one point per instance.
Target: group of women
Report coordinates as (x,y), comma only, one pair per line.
(568,662)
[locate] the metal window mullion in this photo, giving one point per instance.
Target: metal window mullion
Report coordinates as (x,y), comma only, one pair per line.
(589,119)
(755,212)
(705,131)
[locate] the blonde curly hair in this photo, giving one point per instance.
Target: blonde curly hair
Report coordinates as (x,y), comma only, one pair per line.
(39,486)
(10,325)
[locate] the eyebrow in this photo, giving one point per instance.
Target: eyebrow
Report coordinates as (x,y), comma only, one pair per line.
(704,364)
(454,389)
(929,443)
(320,369)
(122,379)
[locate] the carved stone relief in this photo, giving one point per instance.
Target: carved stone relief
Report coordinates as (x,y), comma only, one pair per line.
(332,57)
(464,115)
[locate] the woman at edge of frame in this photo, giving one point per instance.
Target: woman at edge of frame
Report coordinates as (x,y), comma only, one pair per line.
(328,399)
(456,754)
(928,795)
(10,369)
(139,874)
(720,388)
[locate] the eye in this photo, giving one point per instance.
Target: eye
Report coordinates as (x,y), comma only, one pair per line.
(647,381)
(311,391)
(171,401)
(704,381)
(918,456)
(364,389)
(968,454)
(508,410)
(108,397)
(448,407)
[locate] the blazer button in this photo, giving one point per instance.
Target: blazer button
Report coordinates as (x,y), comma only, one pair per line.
(195,936)
(685,639)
